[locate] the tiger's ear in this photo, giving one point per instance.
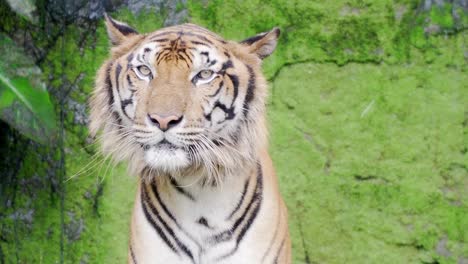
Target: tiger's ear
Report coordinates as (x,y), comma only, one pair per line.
(118,31)
(263,44)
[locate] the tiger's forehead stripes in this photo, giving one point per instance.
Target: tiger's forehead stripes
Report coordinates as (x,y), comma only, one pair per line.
(180,51)
(185,43)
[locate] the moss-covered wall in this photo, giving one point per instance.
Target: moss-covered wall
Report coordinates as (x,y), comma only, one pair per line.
(368,121)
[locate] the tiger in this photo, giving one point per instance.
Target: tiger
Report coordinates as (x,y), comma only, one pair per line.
(186,110)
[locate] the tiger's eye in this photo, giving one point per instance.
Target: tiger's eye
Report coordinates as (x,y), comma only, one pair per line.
(205,74)
(144,70)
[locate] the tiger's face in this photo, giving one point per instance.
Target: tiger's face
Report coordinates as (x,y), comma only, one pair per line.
(181,97)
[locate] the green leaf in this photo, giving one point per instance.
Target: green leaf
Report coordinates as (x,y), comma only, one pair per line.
(6,98)
(24,103)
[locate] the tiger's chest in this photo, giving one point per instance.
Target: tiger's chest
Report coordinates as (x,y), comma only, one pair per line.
(183,224)
(208,213)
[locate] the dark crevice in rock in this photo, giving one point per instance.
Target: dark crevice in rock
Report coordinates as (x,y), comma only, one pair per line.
(97,196)
(321,149)
(370,178)
(301,232)
(317,61)
(365,178)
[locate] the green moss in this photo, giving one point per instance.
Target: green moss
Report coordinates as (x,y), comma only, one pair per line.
(442,16)
(372,182)
(98,200)
(330,31)
(354,40)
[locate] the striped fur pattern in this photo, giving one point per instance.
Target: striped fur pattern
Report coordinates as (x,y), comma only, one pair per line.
(186,109)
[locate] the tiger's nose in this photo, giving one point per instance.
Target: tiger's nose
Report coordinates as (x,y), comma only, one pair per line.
(164,122)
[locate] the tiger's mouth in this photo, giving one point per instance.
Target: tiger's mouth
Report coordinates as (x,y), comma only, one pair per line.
(164,144)
(166,156)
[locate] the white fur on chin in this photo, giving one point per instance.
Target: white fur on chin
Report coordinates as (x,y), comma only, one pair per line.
(166,159)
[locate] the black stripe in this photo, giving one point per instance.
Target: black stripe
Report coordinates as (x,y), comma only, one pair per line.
(221,237)
(129,81)
(181,190)
(246,220)
(125,103)
(253,39)
(250,90)
(130,58)
(235,84)
(219,142)
(228,110)
(118,69)
(202,221)
(181,245)
(199,43)
(124,29)
(154,188)
(241,200)
(162,54)
(132,254)
(228,64)
(258,199)
(184,33)
(218,90)
(162,235)
(184,57)
(158,57)
(160,40)
(108,84)
(213,62)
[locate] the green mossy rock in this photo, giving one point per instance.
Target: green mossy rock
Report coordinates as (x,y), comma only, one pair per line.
(376,171)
